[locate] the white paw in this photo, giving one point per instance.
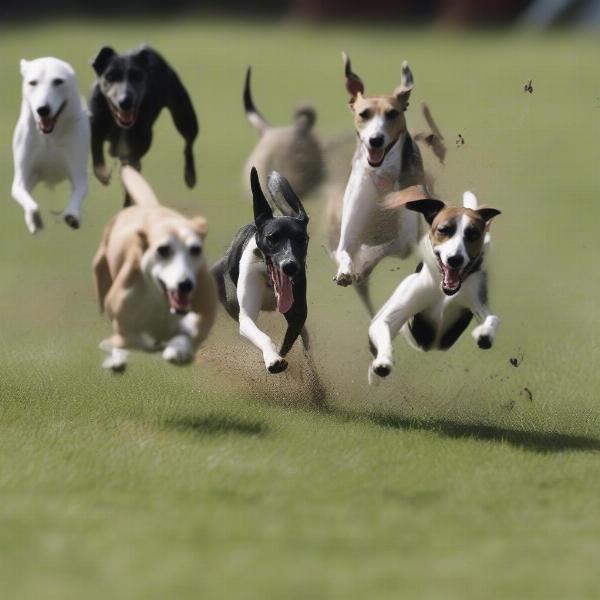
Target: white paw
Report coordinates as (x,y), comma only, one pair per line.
(179,351)
(33,220)
(117,361)
(344,278)
(484,336)
(381,367)
(277,365)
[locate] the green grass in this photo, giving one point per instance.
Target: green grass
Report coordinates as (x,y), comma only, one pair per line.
(447,483)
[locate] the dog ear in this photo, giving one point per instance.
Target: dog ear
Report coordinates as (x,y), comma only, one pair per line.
(487,214)
(200,226)
(101,61)
(407,82)
(23,64)
(428,207)
(354,84)
(262,210)
(279,186)
(144,54)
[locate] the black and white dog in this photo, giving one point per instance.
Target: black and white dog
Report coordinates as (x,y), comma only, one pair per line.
(435,305)
(264,268)
(126,100)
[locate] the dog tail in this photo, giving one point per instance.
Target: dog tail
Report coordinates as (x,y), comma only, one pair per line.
(305,117)
(256,119)
(138,188)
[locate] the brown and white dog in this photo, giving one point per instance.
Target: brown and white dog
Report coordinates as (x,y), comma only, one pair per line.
(152,279)
(387,160)
(435,305)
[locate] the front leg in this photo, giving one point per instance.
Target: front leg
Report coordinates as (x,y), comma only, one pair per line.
(21,193)
(179,350)
(72,214)
(485,333)
(408,299)
(249,293)
(99,126)
(358,207)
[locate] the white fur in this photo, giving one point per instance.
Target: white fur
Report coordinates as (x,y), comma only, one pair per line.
(52,157)
(422,293)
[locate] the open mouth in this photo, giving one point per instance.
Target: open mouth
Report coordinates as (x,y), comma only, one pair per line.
(451,278)
(282,286)
(46,124)
(180,303)
(124,118)
(376,156)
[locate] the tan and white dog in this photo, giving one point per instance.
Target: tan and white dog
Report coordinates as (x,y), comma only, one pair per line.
(152,279)
(387,160)
(435,305)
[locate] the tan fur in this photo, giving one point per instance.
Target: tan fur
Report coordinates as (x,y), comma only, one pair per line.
(124,291)
(450,216)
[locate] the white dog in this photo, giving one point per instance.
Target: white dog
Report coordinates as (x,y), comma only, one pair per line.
(435,305)
(52,138)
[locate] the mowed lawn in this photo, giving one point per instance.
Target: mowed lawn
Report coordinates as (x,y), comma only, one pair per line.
(464,477)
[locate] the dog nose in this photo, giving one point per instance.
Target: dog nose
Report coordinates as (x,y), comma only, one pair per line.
(376,141)
(185,286)
(290,268)
(127,102)
(43,110)
(456,261)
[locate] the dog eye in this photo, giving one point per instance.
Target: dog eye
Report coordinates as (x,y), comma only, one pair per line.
(390,115)
(164,251)
(195,250)
(58,81)
(272,238)
(33,82)
(364,114)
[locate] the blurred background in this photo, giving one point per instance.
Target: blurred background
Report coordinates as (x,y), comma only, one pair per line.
(457,13)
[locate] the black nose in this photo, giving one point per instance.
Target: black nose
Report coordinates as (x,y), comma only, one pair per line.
(290,268)
(185,286)
(126,103)
(456,261)
(43,111)
(376,141)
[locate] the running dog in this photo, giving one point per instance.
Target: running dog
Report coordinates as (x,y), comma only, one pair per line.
(293,151)
(264,268)
(435,305)
(387,160)
(52,138)
(131,91)
(152,279)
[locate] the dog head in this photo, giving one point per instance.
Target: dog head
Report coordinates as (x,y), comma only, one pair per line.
(123,80)
(173,257)
(457,236)
(48,85)
(283,240)
(379,120)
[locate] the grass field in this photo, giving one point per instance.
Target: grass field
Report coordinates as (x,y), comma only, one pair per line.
(447,483)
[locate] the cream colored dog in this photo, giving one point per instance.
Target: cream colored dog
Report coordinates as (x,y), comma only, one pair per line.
(152,279)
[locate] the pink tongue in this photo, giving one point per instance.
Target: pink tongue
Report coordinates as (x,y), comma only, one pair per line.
(451,278)
(179,301)
(283,290)
(376,155)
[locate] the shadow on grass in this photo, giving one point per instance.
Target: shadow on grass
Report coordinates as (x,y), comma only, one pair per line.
(216,425)
(533,441)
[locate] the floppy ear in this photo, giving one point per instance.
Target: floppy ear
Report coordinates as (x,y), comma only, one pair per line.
(407,82)
(200,226)
(428,207)
(354,84)
(23,64)
(262,210)
(279,186)
(487,214)
(101,61)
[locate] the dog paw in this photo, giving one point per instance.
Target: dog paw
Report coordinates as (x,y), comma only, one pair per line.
(344,279)
(33,220)
(72,221)
(102,173)
(381,368)
(483,338)
(277,366)
(116,365)
(178,355)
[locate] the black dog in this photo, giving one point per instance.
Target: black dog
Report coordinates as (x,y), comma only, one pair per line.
(265,268)
(126,100)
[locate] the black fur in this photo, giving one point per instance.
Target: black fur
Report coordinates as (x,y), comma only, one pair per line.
(143,82)
(281,240)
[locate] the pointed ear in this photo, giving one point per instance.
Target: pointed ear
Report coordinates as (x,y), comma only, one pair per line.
(144,53)
(23,64)
(279,187)
(200,226)
(487,214)
(101,61)
(262,210)
(354,84)
(428,207)
(407,82)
